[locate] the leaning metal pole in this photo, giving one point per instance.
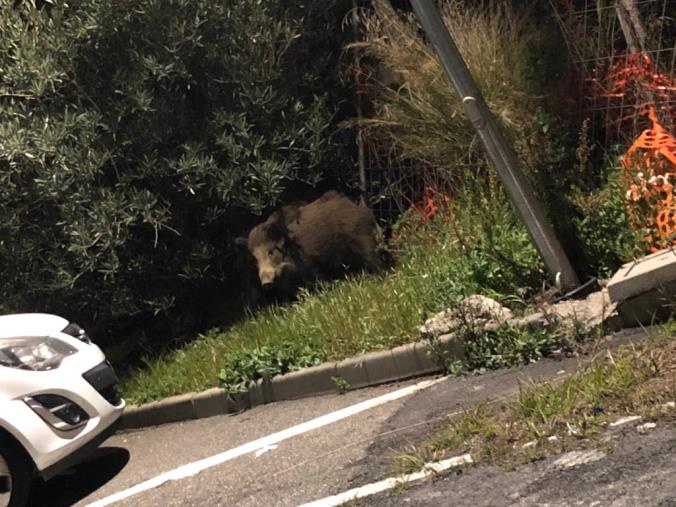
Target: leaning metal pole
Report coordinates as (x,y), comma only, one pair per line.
(499,150)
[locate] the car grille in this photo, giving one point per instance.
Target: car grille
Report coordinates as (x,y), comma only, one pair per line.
(103,379)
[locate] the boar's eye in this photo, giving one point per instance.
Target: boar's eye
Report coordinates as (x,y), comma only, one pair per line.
(270,252)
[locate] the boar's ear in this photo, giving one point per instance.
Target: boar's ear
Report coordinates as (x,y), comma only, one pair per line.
(240,241)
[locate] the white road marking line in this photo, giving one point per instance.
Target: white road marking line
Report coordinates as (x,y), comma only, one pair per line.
(385,484)
(265,449)
(196,467)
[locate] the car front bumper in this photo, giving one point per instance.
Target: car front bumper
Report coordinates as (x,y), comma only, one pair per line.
(92,389)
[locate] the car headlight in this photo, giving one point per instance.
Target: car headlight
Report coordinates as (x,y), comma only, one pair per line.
(40,353)
(76,331)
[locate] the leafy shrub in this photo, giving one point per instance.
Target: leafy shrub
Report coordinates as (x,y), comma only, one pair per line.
(138,136)
(602,225)
(265,362)
(507,346)
(481,225)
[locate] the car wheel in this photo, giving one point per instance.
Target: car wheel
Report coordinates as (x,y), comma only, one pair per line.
(14,475)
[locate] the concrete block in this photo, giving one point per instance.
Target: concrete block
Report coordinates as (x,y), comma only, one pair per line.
(260,392)
(131,418)
(256,393)
(425,362)
(173,409)
(643,275)
(405,361)
(238,402)
(353,371)
(380,367)
(305,382)
(210,402)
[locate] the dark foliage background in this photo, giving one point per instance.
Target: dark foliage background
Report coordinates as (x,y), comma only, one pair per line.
(138,137)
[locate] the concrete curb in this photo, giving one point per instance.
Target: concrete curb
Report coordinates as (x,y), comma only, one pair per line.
(373,368)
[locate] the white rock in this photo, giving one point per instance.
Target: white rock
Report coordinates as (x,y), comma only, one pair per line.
(645,427)
(625,420)
(591,311)
(576,458)
(477,311)
(482,307)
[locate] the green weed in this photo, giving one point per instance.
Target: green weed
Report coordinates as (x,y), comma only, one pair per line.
(341,384)
(245,366)
(507,346)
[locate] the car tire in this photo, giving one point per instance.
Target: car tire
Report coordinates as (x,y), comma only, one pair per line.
(15,474)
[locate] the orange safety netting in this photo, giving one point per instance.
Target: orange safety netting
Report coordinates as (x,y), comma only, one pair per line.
(432,203)
(636,81)
(649,170)
(634,85)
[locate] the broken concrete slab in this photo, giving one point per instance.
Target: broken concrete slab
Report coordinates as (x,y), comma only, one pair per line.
(643,275)
(486,315)
(473,312)
(591,311)
(645,289)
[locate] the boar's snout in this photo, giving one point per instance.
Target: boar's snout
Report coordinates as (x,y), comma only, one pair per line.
(267,277)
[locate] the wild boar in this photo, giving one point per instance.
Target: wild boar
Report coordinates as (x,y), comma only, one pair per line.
(301,243)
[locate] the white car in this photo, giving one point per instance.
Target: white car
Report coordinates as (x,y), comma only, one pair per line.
(57,400)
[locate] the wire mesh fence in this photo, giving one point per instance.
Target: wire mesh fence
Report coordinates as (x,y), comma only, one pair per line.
(624,51)
(394,185)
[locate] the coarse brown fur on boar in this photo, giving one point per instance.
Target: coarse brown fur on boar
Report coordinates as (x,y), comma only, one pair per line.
(301,243)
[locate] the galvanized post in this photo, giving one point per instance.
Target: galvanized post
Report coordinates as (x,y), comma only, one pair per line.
(499,150)
(361,159)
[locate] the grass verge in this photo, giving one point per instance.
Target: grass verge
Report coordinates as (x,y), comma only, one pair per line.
(554,417)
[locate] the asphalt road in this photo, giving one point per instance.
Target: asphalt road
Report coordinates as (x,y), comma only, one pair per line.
(304,467)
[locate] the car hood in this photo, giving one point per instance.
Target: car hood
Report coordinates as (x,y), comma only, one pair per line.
(30,324)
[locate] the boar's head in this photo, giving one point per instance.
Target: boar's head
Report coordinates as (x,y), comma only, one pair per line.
(277,255)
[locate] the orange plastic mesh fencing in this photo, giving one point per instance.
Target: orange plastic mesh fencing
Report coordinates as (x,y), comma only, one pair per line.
(631,84)
(636,80)
(432,203)
(648,170)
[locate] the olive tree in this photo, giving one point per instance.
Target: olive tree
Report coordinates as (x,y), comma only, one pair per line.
(136,136)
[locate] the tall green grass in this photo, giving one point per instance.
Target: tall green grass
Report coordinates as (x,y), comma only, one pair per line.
(360,314)
(415,107)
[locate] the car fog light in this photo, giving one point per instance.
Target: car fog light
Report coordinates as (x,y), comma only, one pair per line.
(59,412)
